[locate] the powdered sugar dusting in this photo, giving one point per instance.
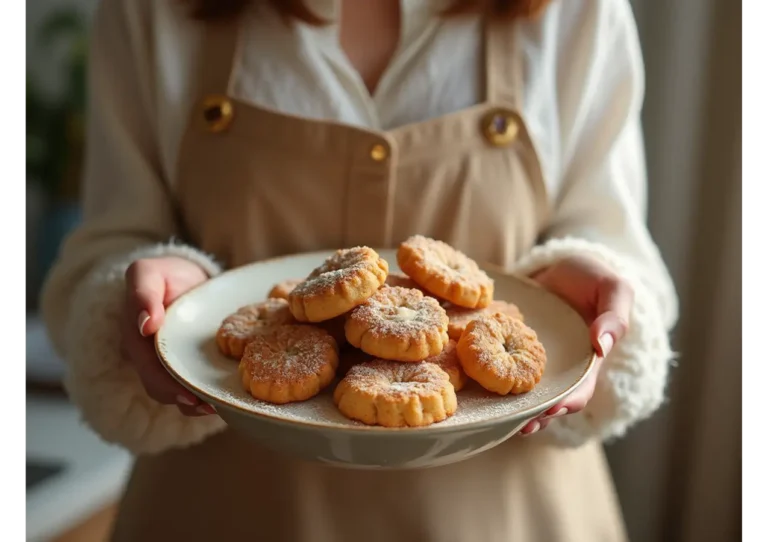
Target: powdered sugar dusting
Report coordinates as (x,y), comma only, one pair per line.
(443,259)
(253,318)
(507,352)
(381,377)
(401,386)
(326,281)
(475,405)
(400,312)
(288,354)
(344,265)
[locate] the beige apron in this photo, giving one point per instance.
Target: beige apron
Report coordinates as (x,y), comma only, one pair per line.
(255,184)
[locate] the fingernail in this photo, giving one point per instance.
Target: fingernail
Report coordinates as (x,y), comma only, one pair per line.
(143,319)
(562,412)
(606,343)
(536,427)
(184,400)
(206,409)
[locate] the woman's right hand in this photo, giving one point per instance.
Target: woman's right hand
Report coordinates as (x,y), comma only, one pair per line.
(151,285)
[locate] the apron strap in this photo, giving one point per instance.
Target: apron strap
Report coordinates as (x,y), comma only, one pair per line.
(220,49)
(505,73)
(211,77)
(503,67)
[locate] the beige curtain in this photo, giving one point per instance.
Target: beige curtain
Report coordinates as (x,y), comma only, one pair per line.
(679,474)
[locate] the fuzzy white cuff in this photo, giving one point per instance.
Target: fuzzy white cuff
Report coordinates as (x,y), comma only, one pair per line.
(633,377)
(108,391)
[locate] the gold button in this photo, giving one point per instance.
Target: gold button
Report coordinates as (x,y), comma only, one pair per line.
(379,152)
(218,113)
(500,128)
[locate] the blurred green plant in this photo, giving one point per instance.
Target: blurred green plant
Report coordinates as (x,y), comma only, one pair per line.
(55,124)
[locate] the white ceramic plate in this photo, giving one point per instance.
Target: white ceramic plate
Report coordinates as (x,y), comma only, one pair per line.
(315,429)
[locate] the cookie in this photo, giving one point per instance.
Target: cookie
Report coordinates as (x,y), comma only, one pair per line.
(342,282)
(502,354)
(394,394)
(445,272)
(289,363)
(398,324)
(239,328)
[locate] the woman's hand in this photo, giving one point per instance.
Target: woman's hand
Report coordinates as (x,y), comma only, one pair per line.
(151,285)
(604,300)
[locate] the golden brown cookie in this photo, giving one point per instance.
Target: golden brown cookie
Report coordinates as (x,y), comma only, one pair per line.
(239,328)
(459,317)
(445,272)
(341,283)
(394,394)
(289,363)
(448,361)
(398,324)
(502,354)
(282,290)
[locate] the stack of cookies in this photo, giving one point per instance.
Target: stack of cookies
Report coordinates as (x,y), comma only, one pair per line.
(404,344)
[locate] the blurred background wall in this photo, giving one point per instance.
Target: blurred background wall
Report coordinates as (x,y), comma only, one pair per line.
(679,474)
(56,43)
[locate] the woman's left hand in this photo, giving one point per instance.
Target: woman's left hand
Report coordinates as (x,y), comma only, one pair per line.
(604,300)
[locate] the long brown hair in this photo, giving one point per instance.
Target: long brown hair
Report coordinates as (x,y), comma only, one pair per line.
(217,9)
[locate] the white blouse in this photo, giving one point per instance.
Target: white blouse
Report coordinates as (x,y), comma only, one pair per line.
(583,91)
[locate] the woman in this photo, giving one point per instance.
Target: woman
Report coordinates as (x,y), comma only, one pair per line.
(222,133)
